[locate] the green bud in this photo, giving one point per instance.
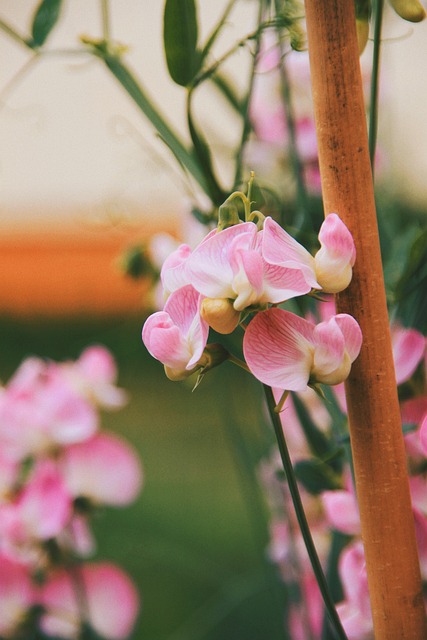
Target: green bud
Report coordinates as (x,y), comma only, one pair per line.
(411,10)
(228,215)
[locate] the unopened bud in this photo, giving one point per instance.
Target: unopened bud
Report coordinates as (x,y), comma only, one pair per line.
(362,27)
(228,216)
(411,10)
(220,314)
(214,354)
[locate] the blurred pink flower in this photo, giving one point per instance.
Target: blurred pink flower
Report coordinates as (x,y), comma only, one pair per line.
(355,610)
(111,602)
(408,349)
(41,510)
(177,335)
(17,595)
(40,410)
(288,352)
(105,469)
(94,377)
(341,511)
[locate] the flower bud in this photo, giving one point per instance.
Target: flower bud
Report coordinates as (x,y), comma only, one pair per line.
(220,314)
(362,27)
(411,10)
(228,216)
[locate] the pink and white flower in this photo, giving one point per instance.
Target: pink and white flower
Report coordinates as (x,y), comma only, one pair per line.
(355,610)
(17,595)
(105,469)
(230,264)
(177,335)
(330,269)
(288,352)
(111,602)
(94,377)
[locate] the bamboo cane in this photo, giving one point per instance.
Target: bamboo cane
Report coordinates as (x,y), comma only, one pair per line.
(382,486)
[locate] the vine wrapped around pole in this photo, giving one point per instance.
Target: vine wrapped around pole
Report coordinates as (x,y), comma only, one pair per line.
(375,425)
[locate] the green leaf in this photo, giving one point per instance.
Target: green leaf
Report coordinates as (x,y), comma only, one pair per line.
(144,102)
(316,476)
(320,445)
(45,18)
(180,40)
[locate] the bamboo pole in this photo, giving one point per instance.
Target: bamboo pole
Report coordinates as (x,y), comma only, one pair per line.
(382,486)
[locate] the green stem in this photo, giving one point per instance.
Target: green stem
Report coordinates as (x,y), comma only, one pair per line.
(301,517)
(373,111)
(14,34)
(128,81)
(301,195)
(105,20)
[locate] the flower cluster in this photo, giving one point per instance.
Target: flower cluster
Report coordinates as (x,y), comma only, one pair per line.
(242,271)
(56,467)
(330,502)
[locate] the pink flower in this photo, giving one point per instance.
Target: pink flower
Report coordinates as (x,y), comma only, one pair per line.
(408,349)
(41,511)
(110,596)
(16,595)
(105,469)
(173,273)
(229,264)
(342,511)
(330,269)
(40,410)
(177,335)
(94,377)
(288,352)
(355,610)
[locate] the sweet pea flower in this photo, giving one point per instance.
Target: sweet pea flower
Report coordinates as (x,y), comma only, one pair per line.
(409,346)
(40,511)
(330,269)
(177,335)
(355,610)
(105,469)
(40,410)
(288,352)
(17,595)
(111,602)
(94,377)
(229,265)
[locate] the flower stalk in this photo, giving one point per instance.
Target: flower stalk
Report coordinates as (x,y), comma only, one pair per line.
(375,424)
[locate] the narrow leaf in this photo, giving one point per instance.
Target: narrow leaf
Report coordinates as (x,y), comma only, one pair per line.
(180,40)
(45,18)
(316,476)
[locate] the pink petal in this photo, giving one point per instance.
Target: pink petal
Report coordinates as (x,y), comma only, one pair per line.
(408,349)
(330,346)
(337,239)
(210,265)
(16,595)
(279,248)
(341,511)
(278,348)
(173,274)
(352,334)
(164,341)
(45,504)
(105,469)
(281,283)
(112,602)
